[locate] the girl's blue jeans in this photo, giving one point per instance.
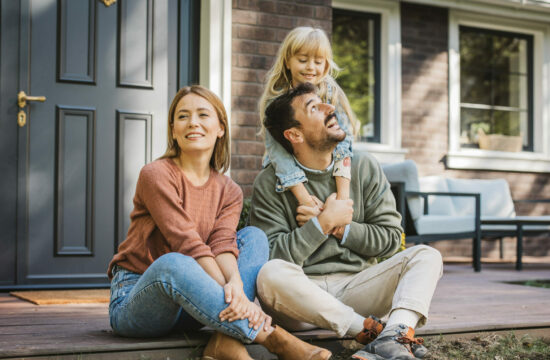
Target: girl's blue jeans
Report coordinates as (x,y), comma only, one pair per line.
(175,293)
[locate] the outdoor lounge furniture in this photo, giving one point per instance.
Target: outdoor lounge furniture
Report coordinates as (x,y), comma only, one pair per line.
(489,215)
(424,226)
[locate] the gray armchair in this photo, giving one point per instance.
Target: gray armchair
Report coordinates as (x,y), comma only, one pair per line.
(424,223)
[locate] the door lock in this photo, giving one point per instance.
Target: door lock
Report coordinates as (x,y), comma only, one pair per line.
(22,99)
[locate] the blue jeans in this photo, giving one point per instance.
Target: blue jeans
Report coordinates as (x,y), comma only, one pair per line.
(175,293)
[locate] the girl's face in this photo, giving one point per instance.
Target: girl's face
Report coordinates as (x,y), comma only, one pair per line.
(196,125)
(306,68)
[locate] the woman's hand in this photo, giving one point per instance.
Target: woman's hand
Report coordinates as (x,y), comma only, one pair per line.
(238,302)
(257,317)
(241,308)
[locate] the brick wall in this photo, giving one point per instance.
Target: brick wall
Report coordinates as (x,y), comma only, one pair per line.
(259,27)
(424,32)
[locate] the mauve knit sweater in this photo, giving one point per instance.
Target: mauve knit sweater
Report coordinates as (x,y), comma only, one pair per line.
(172,215)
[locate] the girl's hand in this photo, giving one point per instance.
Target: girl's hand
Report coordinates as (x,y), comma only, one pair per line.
(304,212)
(239,305)
(338,232)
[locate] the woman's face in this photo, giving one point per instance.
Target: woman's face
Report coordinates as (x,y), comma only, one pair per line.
(306,67)
(196,125)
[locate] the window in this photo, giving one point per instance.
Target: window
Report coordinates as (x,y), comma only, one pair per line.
(496,107)
(356,48)
(510,100)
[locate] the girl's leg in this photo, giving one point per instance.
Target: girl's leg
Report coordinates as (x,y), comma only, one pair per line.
(253,254)
(173,284)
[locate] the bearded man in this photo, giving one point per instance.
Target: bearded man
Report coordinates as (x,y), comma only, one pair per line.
(323,269)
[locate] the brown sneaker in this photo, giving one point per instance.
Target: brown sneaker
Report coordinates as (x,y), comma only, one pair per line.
(372,327)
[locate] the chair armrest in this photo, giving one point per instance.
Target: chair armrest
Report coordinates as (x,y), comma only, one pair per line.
(425,194)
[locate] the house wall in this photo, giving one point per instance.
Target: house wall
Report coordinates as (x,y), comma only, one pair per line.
(257,31)
(425,121)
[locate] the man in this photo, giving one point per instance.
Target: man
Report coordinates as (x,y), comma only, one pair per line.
(324,269)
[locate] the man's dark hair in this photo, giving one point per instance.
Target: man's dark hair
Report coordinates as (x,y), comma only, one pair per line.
(279,115)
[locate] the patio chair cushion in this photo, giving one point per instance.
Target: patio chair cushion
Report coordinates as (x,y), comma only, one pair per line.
(407,173)
(437,205)
(496,199)
(444,224)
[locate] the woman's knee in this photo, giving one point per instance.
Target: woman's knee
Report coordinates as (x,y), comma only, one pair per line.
(172,263)
(253,236)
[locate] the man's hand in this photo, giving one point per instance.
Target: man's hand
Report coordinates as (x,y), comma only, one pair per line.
(335,213)
(304,212)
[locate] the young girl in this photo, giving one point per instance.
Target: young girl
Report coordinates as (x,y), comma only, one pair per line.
(306,56)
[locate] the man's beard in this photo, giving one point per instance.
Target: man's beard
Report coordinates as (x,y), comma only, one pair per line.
(328,141)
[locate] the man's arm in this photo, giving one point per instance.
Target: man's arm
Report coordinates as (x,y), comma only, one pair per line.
(379,233)
(269,212)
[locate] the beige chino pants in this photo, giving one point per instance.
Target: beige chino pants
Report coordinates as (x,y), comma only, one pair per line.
(407,280)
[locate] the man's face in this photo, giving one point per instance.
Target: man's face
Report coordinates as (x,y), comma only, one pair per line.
(319,125)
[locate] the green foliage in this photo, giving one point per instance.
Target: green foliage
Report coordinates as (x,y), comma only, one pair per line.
(243,220)
(493,72)
(352,45)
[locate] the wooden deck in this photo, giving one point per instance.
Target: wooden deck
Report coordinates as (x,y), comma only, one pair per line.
(464,302)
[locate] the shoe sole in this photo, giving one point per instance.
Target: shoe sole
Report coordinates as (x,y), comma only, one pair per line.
(363,355)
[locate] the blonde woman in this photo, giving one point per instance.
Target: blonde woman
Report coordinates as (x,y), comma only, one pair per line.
(183,265)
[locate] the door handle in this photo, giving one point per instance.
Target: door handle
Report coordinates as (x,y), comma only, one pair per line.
(22,99)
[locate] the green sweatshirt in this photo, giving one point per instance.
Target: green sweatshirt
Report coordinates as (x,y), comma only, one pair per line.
(374,232)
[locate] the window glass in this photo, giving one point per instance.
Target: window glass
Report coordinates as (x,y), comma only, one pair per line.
(495,90)
(355,43)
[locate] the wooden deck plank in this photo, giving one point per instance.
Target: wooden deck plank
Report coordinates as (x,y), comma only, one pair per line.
(463,302)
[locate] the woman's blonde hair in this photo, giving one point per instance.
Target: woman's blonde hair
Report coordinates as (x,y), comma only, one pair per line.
(221,155)
(307,40)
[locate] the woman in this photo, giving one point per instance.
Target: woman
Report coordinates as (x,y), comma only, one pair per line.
(178,267)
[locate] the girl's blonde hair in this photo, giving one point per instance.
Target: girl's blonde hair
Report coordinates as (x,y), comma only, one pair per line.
(307,40)
(221,156)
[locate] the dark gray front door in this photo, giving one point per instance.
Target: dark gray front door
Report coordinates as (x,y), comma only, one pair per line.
(108,74)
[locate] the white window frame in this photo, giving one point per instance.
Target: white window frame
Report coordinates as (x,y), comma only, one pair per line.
(537,160)
(389,149)
(215,51)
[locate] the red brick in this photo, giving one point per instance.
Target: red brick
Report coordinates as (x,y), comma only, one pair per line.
(274,20)
(255,33)
(250,147)
(245,46)
(248,4)
(248,75)
(253,61)
(244,176)
(244,103)
(244,133)
(324,13)
(246,89)
(244,17)
(249,118)
(271,49)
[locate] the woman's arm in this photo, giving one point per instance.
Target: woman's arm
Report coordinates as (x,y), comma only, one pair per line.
(212,268)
